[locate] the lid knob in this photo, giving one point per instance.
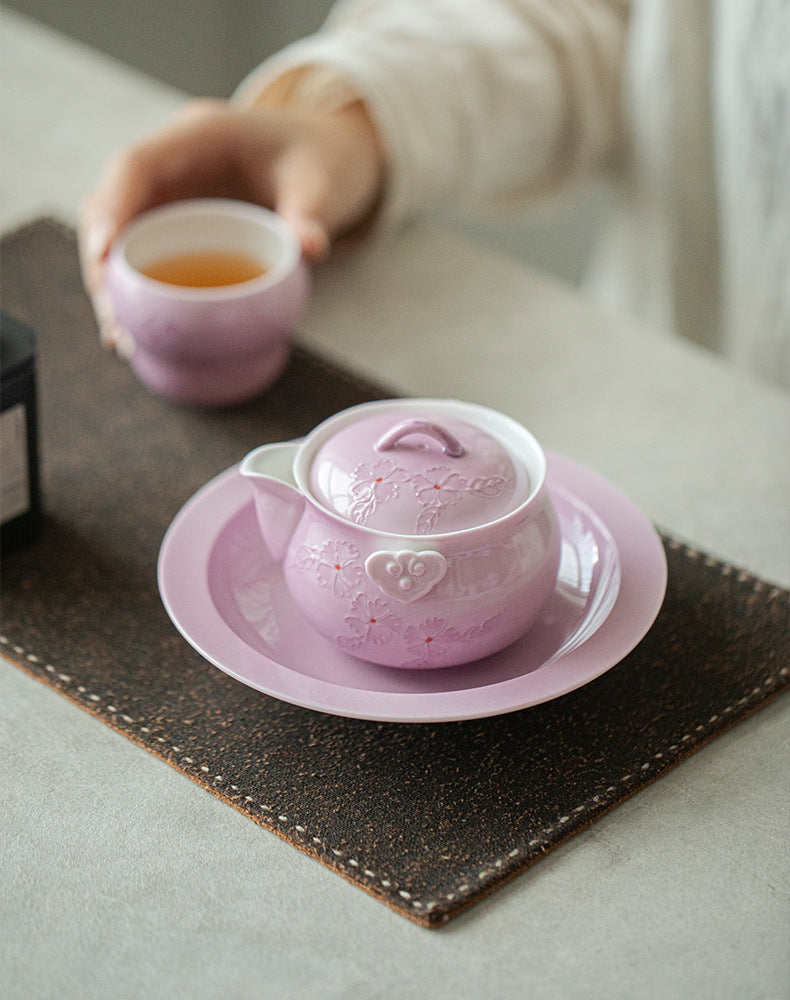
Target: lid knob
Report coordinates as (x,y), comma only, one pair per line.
(451,446)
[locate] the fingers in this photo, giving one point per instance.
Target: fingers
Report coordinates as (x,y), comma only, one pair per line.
(313,237)
(322,173)
(300,197)
(328,177)
(185,159)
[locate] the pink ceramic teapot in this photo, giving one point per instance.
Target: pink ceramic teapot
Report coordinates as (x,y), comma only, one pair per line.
(413,532)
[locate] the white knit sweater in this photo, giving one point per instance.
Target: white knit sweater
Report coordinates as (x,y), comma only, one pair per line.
(685,102)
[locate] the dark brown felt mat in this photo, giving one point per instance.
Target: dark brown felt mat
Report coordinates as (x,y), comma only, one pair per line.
(428,818)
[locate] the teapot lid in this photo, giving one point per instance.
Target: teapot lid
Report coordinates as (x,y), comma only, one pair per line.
(418,467)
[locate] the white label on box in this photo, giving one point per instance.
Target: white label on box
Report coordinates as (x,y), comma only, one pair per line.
(14,478)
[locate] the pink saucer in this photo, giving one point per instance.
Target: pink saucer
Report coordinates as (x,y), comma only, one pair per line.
(226,596)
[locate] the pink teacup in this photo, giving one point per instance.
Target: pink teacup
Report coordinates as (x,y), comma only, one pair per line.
(210,345)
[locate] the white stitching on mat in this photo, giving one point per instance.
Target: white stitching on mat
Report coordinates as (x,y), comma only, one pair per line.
(204,769)
(594,802)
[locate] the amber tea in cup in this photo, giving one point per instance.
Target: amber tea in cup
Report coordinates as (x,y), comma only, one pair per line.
(205,269)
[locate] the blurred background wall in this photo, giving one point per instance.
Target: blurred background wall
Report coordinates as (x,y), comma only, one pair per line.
(205,47)
(201,46)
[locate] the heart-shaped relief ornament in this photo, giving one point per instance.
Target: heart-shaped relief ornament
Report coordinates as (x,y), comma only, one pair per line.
(406,576)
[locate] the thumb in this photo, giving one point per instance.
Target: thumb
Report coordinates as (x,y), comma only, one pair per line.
(312,234)
(300,186)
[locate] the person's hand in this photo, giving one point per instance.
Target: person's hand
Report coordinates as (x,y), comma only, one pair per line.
(322,173)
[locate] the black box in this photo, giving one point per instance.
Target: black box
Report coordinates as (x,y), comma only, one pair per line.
(20,491)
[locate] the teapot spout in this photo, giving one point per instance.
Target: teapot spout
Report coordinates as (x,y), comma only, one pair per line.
(278,501)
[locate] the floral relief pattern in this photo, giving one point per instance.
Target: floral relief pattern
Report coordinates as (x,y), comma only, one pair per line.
(335,564)
(371,620)
(374,484)
(436,489)
(423,640)
(338,566)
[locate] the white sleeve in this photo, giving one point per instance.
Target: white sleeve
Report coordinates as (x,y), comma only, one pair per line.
(475,100)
